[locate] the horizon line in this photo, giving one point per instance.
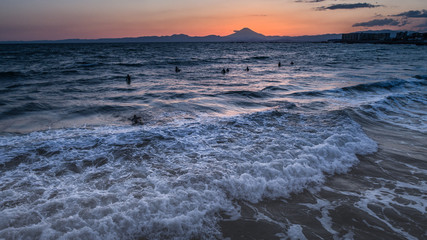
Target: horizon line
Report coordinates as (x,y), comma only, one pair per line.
(186,35)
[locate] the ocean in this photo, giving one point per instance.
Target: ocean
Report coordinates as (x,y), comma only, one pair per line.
(331,145)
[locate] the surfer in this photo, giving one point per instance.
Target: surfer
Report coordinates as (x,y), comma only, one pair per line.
(280,64)
(292,63)
(128,79)
(223,71)
(227,70)
(177,70)
(136,120)
(247,69)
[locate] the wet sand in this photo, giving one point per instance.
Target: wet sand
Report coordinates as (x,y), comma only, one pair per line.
(383,197)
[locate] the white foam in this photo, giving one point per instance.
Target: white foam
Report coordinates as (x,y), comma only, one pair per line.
(295,232)
(391,195)
(165,181)
(324,206)
(382,198)
(349,236)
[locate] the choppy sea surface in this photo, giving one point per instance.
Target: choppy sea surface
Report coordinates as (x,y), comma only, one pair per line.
(333,146)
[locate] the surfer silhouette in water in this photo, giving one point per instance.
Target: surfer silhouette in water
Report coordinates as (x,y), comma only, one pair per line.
(136,120)
(128,79)
(247,69)
(280,64)
(177,70)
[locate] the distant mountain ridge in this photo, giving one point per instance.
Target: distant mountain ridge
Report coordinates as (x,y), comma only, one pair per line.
(243,35)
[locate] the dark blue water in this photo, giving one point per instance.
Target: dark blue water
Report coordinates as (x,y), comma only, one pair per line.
(74,165)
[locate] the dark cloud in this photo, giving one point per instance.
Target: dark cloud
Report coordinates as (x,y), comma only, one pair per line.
(347,6)
(378,22)
(413,14)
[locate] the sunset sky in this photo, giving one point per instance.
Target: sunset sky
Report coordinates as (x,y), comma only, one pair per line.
(89,19)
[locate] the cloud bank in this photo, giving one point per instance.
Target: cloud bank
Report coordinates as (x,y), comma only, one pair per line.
(378,22)
(401,19)
(347,6)
(413,14)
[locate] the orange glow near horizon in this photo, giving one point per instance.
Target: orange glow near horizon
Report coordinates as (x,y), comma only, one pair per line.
(52,20)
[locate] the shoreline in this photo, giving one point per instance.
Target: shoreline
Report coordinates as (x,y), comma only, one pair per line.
(376,199)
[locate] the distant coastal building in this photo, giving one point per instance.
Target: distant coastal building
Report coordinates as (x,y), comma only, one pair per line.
(417,38)
(365,37)
(400,38)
